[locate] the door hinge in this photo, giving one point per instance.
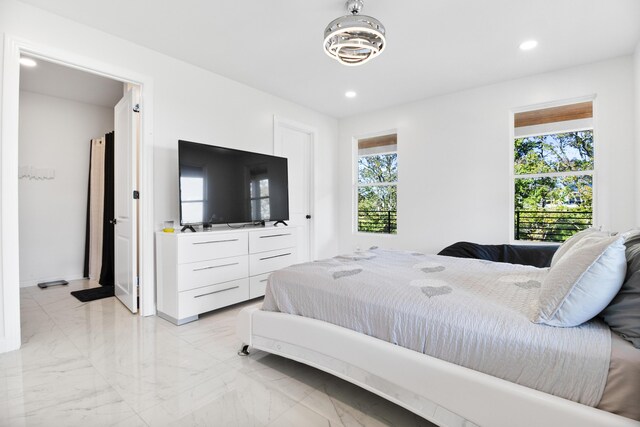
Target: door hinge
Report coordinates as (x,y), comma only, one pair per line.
(136,108)
(136,195)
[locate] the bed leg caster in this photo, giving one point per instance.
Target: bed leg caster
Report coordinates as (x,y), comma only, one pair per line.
(243,350)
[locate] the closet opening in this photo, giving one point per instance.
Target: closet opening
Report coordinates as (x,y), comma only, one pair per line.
(10,251)
(79,141)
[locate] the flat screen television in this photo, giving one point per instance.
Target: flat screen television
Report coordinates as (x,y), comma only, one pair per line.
(222,186)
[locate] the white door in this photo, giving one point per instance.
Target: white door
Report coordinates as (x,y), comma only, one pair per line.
(296,145)
(126,255)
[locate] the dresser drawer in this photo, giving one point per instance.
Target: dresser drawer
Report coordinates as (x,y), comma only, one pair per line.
(204,273)
(272,239)
(267,262)
(258,285)
(209,298)
(204,246)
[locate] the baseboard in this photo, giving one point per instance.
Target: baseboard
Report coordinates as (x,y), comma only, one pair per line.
(67,277)
(9,344)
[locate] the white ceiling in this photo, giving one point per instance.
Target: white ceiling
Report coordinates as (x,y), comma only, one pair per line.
(433,46)
(63,82)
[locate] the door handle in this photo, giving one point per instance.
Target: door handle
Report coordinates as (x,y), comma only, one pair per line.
(113,221)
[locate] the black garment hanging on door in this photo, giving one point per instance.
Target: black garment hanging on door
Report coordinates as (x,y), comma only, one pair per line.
(107,274)
(85,270)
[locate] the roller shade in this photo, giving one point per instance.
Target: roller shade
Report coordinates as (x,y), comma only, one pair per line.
(582,110)
(378,144)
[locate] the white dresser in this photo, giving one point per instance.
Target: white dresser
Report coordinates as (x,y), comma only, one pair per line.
(204,271)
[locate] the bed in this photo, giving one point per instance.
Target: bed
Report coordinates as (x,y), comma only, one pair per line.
(428,333)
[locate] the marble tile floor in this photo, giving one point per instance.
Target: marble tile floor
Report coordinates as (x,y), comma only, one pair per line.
(97,364)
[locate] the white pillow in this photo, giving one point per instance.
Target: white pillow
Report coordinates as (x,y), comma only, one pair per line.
(583,282)
(568,244)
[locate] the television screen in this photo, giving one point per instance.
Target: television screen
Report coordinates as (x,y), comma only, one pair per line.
(220,185)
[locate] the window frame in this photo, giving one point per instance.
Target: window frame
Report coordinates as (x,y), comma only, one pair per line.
(355,185)
(512,175)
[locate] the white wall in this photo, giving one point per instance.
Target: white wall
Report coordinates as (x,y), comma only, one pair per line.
(636,70)
(55,133)
(190,103)
(454,154)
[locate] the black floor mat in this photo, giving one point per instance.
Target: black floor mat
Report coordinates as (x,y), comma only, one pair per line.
(93,294)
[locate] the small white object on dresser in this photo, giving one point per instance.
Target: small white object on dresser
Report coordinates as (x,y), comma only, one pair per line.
(204,271)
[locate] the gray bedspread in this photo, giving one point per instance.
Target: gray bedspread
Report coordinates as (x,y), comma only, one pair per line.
(469,312)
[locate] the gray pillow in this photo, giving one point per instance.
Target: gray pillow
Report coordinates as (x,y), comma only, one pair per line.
(623,314)
(568,244)
(583,282)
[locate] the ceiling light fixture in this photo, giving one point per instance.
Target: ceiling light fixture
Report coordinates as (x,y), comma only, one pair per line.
(350,94)
(528,45)
(28,62)
(354,39)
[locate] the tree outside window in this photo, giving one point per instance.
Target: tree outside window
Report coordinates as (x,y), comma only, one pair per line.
(553,184)
(377,185)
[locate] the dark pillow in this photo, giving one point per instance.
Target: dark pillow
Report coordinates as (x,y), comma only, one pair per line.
(536,255)
(623,313)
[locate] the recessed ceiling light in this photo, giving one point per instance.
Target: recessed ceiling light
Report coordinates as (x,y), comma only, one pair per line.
(28,62)
(350,94)
(528,45)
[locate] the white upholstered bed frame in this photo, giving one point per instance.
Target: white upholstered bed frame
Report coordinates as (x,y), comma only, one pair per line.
(441,392)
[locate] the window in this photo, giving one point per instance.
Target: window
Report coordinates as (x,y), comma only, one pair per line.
(377,185)
(553,172)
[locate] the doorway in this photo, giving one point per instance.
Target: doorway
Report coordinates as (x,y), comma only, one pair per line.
(9,219)
(296,142)
(67,145)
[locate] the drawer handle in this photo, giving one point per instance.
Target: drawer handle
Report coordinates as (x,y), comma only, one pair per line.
(215,292)
(275,256)
(275,235)
(215,266)
(215,241)
(263,280)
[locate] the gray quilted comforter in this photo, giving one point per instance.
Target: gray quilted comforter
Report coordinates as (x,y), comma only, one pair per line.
(469,312)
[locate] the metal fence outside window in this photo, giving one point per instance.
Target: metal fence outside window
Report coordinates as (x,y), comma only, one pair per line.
(550,226)
(378,221)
